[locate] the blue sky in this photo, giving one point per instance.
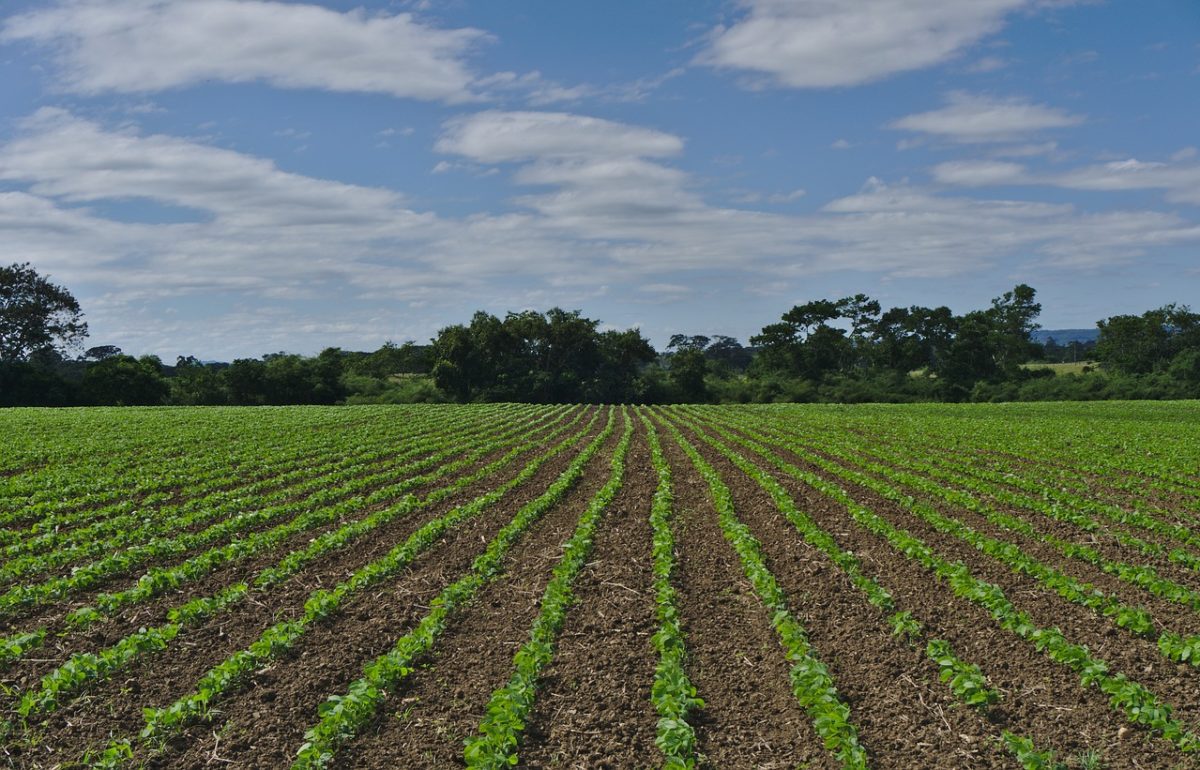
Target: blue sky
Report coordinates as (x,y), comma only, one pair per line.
(227,178)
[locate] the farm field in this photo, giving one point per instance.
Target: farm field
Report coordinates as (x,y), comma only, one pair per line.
(963,586)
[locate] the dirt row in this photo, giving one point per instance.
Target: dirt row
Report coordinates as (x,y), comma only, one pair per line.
(158,679)
(1172,616)
(1043,700)
(316,471)
(593,708)
(65,641)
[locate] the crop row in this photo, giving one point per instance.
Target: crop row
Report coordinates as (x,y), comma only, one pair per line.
(154,475)
(812,684)
(965,679)
(328,506)
(1138,704)
(250,473)
(673,694)
(341,717)
(495,746)
(1136,620)
(84,668)
(132,530)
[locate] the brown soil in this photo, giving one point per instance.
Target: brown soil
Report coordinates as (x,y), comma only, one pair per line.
(750,716)
(158,679)
(425,721)
(593,708)
(914,724)
(1043,699)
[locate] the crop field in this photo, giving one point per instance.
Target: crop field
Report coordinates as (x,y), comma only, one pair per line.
(506,585)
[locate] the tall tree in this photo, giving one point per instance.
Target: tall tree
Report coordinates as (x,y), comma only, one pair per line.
(1149,342)
(1014,320)
(36,314)
(553,357)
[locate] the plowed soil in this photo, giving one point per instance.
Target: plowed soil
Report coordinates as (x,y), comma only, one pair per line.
(594,705)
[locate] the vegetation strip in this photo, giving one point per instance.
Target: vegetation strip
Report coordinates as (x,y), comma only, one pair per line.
(1052,500)
(811,683)
(82,668)
(117,563)
(343,716)
(147,542)
(507,712)
(1135,620)
(673,694)
(1139,705)
(159,580)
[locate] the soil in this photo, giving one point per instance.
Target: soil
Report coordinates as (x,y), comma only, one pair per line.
(593,707)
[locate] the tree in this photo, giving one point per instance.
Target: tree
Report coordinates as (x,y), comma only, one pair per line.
(1149,342)
(36,314)
(970,357)
(688,368)
(195,384)
(101,352)
(728,353)
(1014,320)
(686,342)
(125,381)
(553,357)
(804,344)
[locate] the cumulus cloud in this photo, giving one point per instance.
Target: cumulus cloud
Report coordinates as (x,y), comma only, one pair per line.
(77,160)
(140,46)
(972,118)
(600,205)
(827,43)
(497,137)
(613,193)
(978,173)
(1179,180)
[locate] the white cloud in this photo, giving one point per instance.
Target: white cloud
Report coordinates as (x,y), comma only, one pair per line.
(141,46)
(1024,150)
(826,43)
(1179,180)
(841,144)
(788,197)
(976,173)
(601,209)
(496,137)
(645,215)
(951,234)
(540,91)
(75,160)
(971,118)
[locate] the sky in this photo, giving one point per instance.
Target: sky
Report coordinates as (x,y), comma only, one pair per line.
(228,178)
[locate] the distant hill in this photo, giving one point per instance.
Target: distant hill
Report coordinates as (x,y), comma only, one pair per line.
(1066,336)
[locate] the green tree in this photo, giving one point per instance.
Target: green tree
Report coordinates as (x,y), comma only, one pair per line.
(36,314)
(970,357)
(804,344)
(1014,320)
(553,357)
(195,384)
(1149,342)
(125,381)
(688,368)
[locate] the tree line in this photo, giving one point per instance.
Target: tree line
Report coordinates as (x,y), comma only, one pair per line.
(844,350)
